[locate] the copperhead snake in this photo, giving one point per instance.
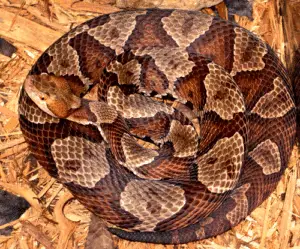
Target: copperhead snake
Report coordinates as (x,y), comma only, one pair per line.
(191,129)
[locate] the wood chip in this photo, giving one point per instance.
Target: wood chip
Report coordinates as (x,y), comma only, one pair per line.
(25,31)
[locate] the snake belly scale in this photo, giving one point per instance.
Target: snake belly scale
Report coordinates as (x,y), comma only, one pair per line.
(191,129)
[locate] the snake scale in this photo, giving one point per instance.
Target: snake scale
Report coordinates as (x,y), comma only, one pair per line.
(191,129)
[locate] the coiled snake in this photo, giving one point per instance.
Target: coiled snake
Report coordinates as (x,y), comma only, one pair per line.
(191,129)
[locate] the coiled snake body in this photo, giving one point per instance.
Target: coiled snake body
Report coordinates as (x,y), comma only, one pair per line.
(191,129)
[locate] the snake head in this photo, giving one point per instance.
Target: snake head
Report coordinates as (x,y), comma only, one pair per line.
(52,94)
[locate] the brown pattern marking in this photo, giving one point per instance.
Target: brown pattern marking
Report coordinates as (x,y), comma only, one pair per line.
(173,62)
(175,237)
(240,210)
(113,133)
(275,103)
(151,202)
(135,154)
(129,73)
(103,112)
(135,105)
(215,44)
(166,166)
(191,88)
(219,168)
(248,52)
(116,31)
(155,127)
(149,32)
(184,27)
(267,156)
(200,233)
(152,79)
(65,60)
(223,95)
(184,139)
(93,56)
(77,161)
(191,114)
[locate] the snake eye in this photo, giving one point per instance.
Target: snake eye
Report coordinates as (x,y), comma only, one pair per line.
(42,97)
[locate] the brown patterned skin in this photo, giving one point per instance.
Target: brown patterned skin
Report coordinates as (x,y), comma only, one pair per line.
(192,129)
(296,81)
